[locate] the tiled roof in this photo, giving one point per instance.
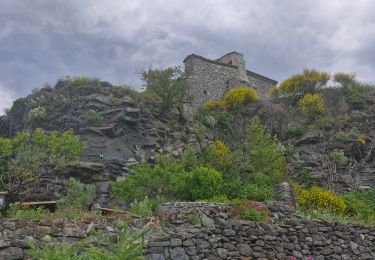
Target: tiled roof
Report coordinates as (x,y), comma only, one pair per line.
(250,73)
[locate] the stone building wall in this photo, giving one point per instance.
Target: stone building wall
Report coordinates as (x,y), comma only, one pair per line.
(210,79)
(207,80)
(260,84)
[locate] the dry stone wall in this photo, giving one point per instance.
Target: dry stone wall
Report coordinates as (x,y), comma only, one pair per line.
(206,231)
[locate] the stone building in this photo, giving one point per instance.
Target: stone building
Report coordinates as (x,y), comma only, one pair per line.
(210,79)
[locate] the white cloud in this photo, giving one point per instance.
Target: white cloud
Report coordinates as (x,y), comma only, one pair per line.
(114,39)
(6,98)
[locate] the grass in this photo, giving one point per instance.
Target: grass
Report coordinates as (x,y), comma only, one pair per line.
(84,81)
(15,211)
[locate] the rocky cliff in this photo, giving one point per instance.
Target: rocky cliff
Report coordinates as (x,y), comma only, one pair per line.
(118,130)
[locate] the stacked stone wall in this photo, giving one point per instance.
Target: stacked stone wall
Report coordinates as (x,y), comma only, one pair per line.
(206,231)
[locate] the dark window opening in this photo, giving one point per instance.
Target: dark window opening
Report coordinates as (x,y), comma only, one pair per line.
(205,92)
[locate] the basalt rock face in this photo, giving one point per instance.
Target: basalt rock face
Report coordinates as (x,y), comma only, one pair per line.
(313,157)
(122,134)
(309,150)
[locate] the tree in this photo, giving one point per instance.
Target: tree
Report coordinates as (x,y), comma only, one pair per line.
(29,157)
(264,150)
(169,86)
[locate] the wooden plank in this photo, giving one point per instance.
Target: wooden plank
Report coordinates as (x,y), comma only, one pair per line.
(112,210)
(34,203)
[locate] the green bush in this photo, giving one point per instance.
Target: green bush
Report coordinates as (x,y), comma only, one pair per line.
(115,100)
(356,100)
(257,192)
(129,245)
(251,214)
(37,115)
(327,122)
(15,211)
(162,180)
(295,129)
(338,157)
(142,208)
(288,150)
(249,210)
(202,183)
(361,203)
(93,116)
(78,195)
(210,121)
(64,251)
(27,158)
(342,136)
(38,101)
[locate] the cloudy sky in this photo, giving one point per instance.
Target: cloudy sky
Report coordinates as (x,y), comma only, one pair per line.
(42,40)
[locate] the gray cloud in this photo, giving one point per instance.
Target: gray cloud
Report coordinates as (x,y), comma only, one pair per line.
(43,40)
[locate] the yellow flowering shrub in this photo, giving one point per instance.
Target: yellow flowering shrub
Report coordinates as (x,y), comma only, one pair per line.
(303,83)
(362,139)
(221,149)
(214,104)
(320,200)
(238,96)
(312,104)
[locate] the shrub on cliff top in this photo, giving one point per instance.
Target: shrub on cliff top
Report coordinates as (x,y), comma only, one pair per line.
(82,81)
(239,96)
(169,86)
(298,85)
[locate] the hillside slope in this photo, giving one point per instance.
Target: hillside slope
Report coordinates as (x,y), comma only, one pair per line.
(122,129)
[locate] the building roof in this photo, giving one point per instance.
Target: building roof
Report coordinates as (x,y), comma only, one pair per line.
(249,73)
(229,53)
(208,60)
(256,75)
